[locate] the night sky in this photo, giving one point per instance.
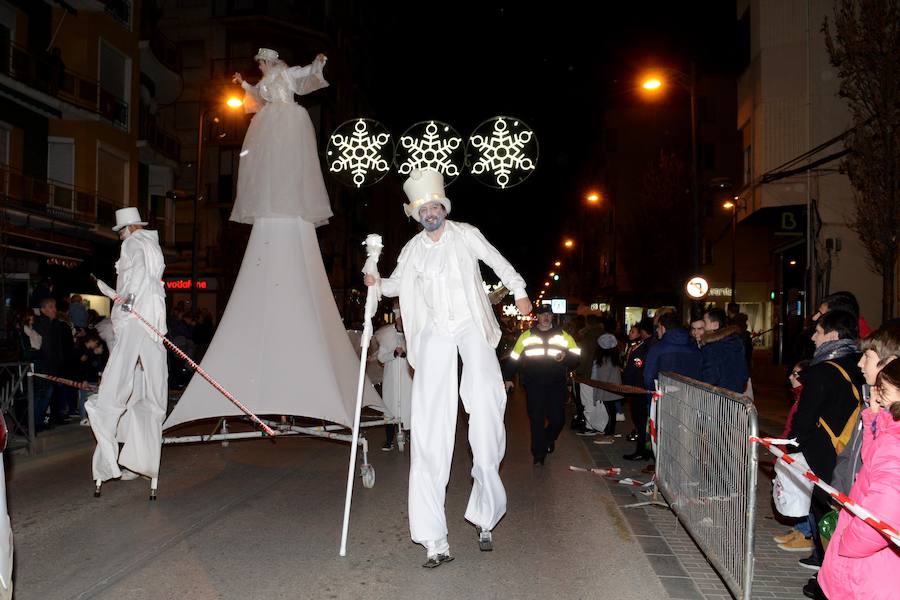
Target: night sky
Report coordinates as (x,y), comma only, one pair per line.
(556,65)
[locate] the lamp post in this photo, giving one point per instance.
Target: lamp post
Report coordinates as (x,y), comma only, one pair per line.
(654,84)
(232,103)
(733,207)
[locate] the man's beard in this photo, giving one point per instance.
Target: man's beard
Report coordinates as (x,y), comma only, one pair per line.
(434,224)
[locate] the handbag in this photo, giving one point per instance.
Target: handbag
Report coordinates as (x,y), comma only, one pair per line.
(791,491)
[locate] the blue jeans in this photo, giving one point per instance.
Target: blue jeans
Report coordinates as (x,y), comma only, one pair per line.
(43,393)
(82,396)
(805,527)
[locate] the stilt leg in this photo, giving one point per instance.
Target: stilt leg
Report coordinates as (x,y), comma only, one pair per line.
(225,431)
(97,483)
(154,483)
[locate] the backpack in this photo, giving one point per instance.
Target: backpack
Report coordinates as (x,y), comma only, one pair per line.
(840,441)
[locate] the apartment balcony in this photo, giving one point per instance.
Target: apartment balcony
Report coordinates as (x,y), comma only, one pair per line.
(120,10)
(46,84)
(161,61)
(155,144)
(79,207)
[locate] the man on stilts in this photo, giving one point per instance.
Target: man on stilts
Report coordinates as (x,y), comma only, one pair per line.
(446,314)
(130,405)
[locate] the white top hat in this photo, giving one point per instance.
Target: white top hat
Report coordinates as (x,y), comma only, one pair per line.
(127,216)
(421,188)
(266,54)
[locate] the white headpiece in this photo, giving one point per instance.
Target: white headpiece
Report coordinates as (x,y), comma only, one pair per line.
(421,188)
(266,54)
(127,216)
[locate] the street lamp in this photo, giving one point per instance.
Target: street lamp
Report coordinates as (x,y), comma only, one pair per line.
(557,264)
(728,204)
(593,198)
(569,243)
(232,103)
(654,83)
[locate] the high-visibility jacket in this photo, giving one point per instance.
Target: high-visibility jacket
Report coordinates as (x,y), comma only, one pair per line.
(536,356)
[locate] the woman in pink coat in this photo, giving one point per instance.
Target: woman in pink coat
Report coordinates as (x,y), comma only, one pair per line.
(860,562)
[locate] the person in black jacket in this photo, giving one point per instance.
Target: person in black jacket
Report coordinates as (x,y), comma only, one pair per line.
(543,355)
(724,364)
(57,349)
(633,374)
(830,396)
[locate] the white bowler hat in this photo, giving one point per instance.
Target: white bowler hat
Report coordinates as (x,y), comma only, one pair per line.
(127,216)
(421,188)
(266,54)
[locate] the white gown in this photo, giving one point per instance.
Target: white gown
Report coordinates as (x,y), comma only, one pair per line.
(280,175)
(281,347)
(397,387)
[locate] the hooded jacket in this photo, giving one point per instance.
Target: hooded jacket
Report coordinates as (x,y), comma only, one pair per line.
(676,352)
(724,360)
(861,563)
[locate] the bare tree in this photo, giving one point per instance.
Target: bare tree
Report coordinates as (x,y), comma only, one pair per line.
(864,46)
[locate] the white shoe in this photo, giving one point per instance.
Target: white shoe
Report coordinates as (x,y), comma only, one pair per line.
(84,422)
(620,417)
(129,475)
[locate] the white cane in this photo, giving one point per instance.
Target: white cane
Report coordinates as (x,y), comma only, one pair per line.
(373,251)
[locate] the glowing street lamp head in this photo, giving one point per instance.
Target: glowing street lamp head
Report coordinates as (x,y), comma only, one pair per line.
(651,84)
(593,198)
(557,264)
(728,204)
(234,102)
(546,284)
(569,243)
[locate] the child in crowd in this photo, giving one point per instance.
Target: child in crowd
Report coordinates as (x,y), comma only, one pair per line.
(799,538)
(860,562)
(92,362)
(607,368)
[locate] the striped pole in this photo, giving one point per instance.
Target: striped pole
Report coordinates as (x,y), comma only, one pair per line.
(844,500)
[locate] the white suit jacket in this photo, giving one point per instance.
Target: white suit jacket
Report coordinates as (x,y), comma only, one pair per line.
(140,268)
(469,246)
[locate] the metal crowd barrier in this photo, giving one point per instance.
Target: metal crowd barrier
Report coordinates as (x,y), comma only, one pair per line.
(707,470)
(17,403)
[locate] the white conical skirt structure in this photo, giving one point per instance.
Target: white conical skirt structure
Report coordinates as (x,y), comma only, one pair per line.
(281,348)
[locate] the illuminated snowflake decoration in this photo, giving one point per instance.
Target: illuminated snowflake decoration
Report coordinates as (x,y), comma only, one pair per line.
(502,152)
(431,145)
(360,152)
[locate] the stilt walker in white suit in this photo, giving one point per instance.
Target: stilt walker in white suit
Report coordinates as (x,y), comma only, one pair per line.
(446,311)
(396,390)
(130,405)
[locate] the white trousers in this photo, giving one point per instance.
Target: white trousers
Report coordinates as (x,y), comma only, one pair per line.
(130,406)
(435,396)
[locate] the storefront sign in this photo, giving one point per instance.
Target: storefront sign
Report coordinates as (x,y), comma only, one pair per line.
(697,287)
(185,284)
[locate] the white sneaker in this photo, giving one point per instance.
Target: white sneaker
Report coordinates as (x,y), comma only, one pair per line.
(84,422)
(620,417)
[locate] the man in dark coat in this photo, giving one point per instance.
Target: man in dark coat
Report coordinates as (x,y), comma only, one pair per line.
(633,374)
(830,395)
(724,363)
(675,352)
(56,352)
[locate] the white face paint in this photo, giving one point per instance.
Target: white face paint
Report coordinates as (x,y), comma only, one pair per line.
(124,233)
(432,216)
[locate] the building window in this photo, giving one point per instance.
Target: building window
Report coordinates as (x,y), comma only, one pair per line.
(5,141)
(61,172)
(112,186)
(115,84)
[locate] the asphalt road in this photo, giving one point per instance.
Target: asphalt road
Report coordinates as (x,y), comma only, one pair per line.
(262,519)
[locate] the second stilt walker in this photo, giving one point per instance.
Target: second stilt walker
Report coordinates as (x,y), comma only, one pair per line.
(446,314)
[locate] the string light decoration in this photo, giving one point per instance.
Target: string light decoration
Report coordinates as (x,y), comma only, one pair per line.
(360,152)
(431,145)
(502,152)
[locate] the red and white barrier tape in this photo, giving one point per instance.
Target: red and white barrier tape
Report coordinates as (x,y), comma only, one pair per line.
(605,472)
(204,374)
(844,500)
(81,385)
